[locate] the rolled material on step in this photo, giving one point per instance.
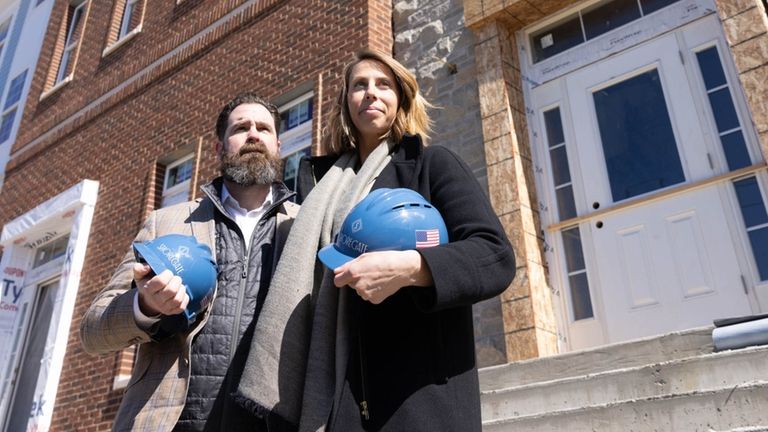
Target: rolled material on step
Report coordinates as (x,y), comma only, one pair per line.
(741,335)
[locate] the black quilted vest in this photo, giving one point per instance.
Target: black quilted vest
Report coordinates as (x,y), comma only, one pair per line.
(219,349)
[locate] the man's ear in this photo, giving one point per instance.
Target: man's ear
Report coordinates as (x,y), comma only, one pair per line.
(218,146)
(279,143)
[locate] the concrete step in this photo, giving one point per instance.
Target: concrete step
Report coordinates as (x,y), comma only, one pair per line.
(739,408)
(708,372)
(639,352)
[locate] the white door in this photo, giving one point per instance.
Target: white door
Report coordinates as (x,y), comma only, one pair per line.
(650,246)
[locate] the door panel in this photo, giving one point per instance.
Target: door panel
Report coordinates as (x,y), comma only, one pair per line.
(668,265)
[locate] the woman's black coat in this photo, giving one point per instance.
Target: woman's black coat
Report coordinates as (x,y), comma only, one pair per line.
(413,367)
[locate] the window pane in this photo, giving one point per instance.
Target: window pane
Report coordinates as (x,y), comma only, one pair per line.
(574,256)
(723,109)
(735,150)
(751,202)
(560,172)
(75,27)
(296,115)
(34,358)
(650,6)
(179,174)
(566,206)
(176,198)
(609,16)
(7,125)
(638,143)
(125,24)
(759,241)
(554,127)
(4,27)
(15,89)
(554,40)
(580,299)
(291,171)
(50,251)
(711,68)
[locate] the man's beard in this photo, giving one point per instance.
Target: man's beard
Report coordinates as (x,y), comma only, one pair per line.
(252,165)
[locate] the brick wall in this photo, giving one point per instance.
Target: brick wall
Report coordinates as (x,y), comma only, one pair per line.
(123,112)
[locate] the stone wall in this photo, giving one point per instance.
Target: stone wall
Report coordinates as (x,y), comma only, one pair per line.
(746,28)
(431,40)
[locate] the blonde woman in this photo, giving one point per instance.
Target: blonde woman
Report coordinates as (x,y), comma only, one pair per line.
(391,339)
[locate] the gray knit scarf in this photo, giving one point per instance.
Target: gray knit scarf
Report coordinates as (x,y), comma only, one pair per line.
(300,347)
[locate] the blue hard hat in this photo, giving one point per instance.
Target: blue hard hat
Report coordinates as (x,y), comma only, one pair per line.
(387,219)
(187,259)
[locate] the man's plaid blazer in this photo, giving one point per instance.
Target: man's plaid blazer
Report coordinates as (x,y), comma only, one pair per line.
(155,395)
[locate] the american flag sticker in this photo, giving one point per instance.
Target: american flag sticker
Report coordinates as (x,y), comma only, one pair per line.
(427,238)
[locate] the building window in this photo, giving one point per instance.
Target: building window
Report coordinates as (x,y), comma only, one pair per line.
(755,216)
(126,21)
(588,23)
(4,28)
(51,251)
(67,44)
(295,136)
(723,108)
(177,181)
(12,98)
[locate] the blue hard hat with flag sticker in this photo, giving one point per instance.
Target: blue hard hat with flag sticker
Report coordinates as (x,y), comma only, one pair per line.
(187,259)
(387,219)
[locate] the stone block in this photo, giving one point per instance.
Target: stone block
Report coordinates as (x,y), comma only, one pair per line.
(497,125)
(491,7)
(745,26)
(499,148)
(487,317)
(756,90)
(516,98)
(491,350)
(488,30)
(491,95)
(751,53)
(522,345)
(523,11)
(473,11)
(431,33)
(503,187)
(729,8)
(517,314)
(520,286)
(548,7)
(764,144)
(546,343)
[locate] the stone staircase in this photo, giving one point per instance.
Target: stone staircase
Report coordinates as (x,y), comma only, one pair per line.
(673,382)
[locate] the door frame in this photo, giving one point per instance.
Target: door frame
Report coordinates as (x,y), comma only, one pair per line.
(553,243)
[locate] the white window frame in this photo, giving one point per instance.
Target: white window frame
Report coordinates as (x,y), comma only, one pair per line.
(125,23)
(177,189)
(69,45)
(13,107)
(298,139)
(3,21)
(292,139)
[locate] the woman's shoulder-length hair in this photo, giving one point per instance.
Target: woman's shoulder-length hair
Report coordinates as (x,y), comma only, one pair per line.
(341,134)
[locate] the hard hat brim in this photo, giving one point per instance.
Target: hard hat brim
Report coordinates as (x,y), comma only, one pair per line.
(332,258)
(146,254)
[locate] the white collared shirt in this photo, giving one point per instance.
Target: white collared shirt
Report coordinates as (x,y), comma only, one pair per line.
(245,219)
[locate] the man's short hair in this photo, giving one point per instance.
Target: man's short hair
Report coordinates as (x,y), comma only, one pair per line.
(240,99)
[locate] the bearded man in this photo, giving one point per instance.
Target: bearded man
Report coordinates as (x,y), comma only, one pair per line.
(185,374)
